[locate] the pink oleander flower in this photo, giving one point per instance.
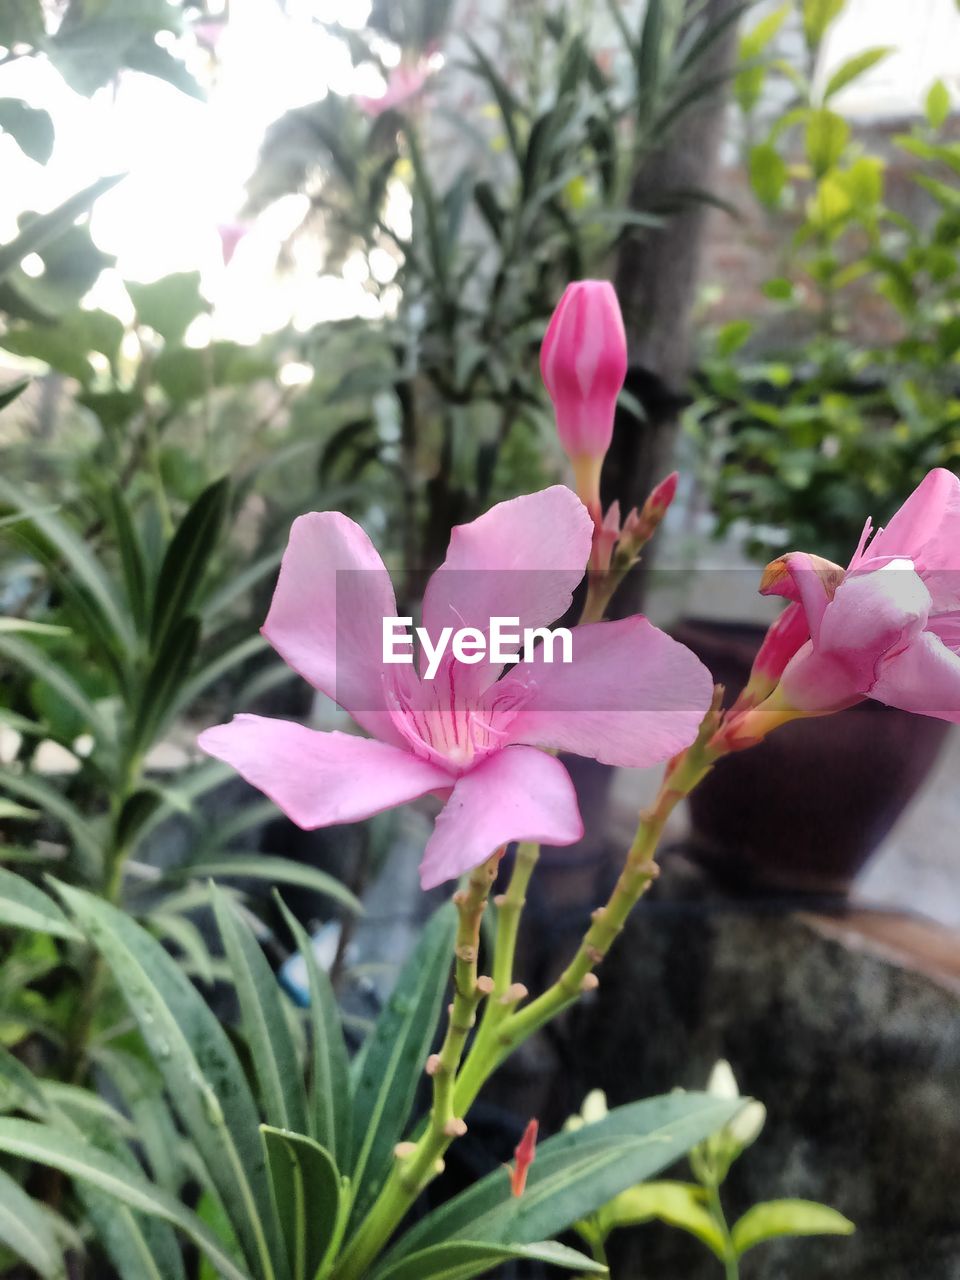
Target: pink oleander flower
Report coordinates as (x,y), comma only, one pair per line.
(583,361)
(631,695)
(404,83)
(887,627)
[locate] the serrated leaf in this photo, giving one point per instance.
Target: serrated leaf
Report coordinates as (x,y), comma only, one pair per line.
(775,1218)
(307,1192)
(393,1058)
(330,1104)
(44,1145)
(278,1074)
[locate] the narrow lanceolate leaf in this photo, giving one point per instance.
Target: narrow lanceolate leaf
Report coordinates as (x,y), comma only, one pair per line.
(774,1218)
(45,1145)
(81,564)
(679,1204)
(201,1071)
(40,231)
(307,1192)
(24,906)
(279,1075)
(26,1230)
(186,559)
(39,663)
(575,1173)
(462,1259)
(394,1057)
(329,1111)
(271,869)
(29,787)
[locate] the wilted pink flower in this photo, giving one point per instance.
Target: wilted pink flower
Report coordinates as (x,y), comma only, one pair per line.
(583,361)
(404,83)
(630,696)
(887,627)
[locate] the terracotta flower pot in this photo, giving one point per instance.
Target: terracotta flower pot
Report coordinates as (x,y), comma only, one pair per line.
(806,809)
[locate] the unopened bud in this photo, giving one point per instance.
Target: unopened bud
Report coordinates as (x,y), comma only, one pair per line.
(523,1154)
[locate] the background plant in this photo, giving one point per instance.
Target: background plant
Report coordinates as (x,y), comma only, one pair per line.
(798,436)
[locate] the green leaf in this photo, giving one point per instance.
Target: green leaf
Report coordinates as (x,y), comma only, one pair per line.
(10,809)
(21,22)
(216,669)
(307,1193)
(282,1095)
(58,542)
(12,391)
(25,1228)
(732,336)
(239,585)
(30,128)
(187,557)
(272,869)
(748,83)
(774,1218)
(462,1259)
(24,906)
(54,674)
(42,1144)
(170,304)
(200,1068)
(187,373)
(131,555)
(826,138)
(679,1204)
(938,104)
(393,1058)
(854,67)
(330,1104)
(575,1174)
(768,172)
(52,802)
(48,226)
(817,17)
(65,346)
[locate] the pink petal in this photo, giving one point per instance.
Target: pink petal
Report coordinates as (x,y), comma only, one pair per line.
(806,579)
(319,779)
(632,696)
(871,614)
(521,559)
(924,678)
(927,526)
(516,794)
(326,618)
(817,684)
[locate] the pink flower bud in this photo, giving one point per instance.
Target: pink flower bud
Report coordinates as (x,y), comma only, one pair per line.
(583,361)
(524,1153)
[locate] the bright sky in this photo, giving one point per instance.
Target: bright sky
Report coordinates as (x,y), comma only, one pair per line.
(187,161)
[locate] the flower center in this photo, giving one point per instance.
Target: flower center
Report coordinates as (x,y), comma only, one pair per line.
(452,720)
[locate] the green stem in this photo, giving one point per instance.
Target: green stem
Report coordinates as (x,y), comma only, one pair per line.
(730,1263)
(417,1163)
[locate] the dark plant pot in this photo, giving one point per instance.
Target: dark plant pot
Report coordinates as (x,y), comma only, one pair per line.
(806,809)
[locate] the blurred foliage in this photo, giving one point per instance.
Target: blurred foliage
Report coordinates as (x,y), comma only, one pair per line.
(799,437)
(484,181)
